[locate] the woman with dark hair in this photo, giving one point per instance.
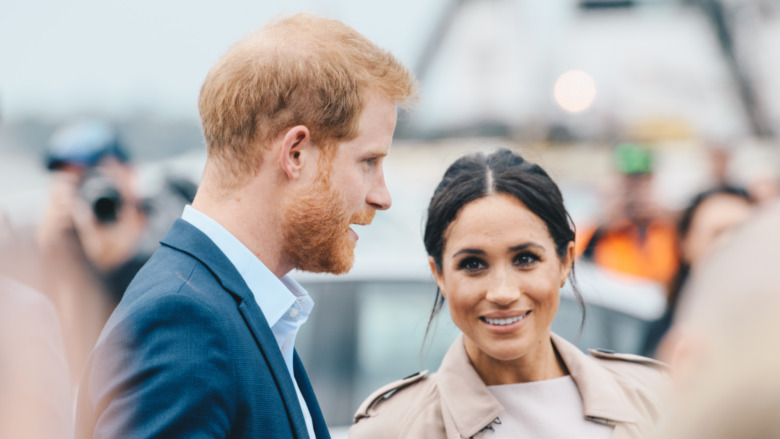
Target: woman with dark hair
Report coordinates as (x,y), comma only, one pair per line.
(707,220)
(501,245)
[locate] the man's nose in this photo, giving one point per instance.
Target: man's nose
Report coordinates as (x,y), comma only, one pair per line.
(379,196)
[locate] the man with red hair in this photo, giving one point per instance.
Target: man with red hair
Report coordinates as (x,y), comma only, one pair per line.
(298,118)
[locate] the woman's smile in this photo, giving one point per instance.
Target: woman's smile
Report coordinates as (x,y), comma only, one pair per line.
(501,321)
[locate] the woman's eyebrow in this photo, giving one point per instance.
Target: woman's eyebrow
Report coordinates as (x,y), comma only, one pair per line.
(525,246)
(470,251)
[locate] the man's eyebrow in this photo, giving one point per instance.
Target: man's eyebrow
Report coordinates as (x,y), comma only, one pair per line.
(378,153)
(469,251)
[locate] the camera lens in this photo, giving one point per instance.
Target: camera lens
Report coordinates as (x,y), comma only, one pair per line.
(103,196)
(106,207)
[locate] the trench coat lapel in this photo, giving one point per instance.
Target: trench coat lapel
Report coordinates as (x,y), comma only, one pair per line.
(602,397)
(464,395)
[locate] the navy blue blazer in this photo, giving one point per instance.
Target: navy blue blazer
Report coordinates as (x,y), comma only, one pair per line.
(188,354)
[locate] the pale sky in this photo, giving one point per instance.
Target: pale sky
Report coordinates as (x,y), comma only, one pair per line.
(116,57)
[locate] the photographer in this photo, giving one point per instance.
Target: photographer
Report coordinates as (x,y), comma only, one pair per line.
(96,231)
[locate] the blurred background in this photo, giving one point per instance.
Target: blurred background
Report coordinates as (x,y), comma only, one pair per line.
(633,107)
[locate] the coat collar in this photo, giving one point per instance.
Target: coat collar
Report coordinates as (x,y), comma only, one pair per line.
(472,407)
(463,393)
(602,397)
(186,238)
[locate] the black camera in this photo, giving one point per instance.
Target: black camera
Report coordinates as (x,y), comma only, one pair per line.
(102,195)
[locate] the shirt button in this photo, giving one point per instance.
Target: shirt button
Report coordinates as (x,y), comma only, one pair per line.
(293,313)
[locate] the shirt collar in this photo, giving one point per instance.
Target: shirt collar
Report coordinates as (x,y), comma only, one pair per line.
(473,406)
(275,296)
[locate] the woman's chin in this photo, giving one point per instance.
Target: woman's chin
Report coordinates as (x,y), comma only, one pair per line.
(503,350)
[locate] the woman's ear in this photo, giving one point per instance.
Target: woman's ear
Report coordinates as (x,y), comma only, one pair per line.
(296,151)
(566,263)
(437,275)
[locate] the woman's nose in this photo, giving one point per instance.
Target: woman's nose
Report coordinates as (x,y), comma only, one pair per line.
(502,292)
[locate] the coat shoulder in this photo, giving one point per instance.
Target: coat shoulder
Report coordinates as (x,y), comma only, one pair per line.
(394,407)
(630,365)
(380,398)
(606,354)
(645,382)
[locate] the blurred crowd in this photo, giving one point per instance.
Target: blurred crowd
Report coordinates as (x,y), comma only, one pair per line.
(635,235)
(715,258)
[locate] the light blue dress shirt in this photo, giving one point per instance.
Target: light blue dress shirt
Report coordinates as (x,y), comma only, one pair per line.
(285,304)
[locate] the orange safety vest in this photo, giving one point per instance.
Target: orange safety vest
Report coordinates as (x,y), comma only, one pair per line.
(622,248)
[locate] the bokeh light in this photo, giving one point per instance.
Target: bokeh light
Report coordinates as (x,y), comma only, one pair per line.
(575,91)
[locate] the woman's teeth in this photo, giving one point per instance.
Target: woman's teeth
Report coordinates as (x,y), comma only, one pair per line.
(502,322)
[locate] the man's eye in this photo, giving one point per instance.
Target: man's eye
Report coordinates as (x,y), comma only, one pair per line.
(471,264)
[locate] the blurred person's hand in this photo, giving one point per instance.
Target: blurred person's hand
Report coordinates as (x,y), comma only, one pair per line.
(109,244)
(105,244)
(57,221)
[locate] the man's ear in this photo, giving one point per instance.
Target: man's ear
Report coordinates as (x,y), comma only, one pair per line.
(437,276)
(297,150)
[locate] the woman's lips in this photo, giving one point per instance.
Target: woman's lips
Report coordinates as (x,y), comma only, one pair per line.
(504,324)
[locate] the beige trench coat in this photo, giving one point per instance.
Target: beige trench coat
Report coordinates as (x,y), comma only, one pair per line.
(621,390)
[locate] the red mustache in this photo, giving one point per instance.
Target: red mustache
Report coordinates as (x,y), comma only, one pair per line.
(364,217)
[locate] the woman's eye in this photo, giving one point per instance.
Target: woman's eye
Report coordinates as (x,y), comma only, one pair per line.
(526,259)
(471,264)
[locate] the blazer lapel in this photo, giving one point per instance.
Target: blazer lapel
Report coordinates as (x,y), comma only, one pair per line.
(320,427)
(187,238)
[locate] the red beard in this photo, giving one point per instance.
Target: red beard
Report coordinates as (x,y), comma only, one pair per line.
(316,230)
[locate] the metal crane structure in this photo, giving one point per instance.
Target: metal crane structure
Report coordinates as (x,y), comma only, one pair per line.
(729,27)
